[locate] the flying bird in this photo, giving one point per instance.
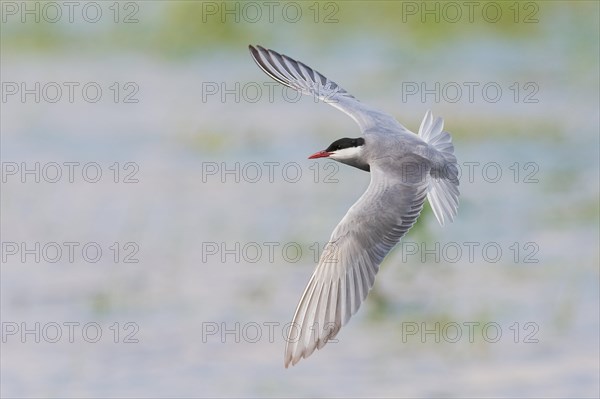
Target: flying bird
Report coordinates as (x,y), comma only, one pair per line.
(405,169)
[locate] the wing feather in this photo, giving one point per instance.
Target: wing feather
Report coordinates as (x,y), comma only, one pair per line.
(347,268)
(299,76)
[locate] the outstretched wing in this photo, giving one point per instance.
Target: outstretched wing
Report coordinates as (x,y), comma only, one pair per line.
(347,267)
(300,77)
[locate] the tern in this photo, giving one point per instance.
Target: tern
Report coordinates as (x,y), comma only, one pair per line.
(405,169)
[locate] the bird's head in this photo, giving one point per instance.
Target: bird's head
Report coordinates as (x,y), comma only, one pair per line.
(346,150)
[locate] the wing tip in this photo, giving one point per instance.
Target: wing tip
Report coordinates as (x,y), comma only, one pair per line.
(290,359)
(255,50)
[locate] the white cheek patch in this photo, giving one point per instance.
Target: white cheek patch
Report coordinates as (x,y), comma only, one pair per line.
(347,153)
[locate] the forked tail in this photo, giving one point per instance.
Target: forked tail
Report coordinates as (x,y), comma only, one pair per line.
(442,192)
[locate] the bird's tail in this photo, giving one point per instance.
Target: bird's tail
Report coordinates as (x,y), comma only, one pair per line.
(442,192)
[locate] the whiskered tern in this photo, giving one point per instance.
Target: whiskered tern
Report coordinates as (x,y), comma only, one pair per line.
(405,169)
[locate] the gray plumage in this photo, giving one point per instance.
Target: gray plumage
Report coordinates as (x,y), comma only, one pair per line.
(405,169)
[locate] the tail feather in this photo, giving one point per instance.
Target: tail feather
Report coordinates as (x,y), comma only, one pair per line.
(442,192)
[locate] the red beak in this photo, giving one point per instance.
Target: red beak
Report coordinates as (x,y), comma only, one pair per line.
(320,154)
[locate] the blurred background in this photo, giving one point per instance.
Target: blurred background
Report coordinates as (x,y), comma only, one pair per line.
(160,218)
